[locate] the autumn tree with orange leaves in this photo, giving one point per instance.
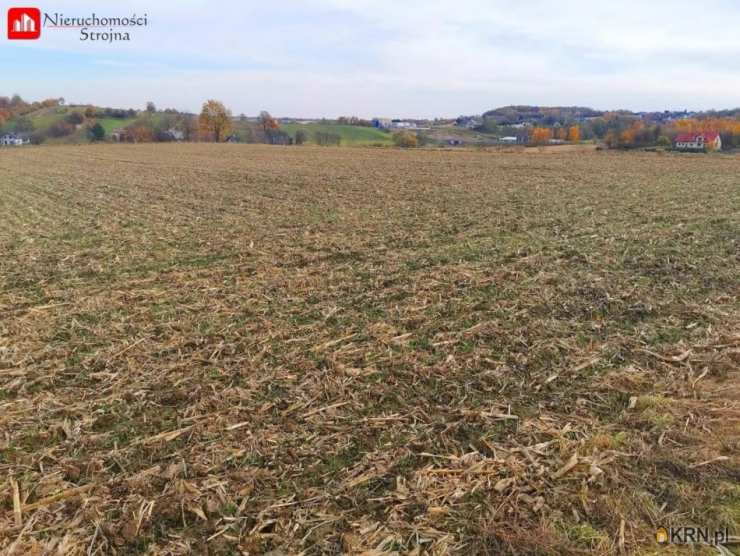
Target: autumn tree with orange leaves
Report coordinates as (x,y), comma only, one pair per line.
(541,135)
(574,133)
(269,129)
(268,123)
(214,121)
(691,125)
(139,134)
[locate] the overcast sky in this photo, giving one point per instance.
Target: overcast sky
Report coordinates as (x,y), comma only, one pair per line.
(389,57)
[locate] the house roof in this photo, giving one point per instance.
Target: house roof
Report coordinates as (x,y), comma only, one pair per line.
(691,137)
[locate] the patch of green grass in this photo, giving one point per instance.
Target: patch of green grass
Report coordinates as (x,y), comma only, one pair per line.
(728,506)
(111,124)
(350,134)
(584,534)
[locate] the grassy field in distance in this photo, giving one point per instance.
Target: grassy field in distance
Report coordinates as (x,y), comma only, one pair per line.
(242,349)
(350,134)
(111,124)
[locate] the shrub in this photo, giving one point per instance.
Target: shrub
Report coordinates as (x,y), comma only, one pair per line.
(61,129)
(117,113)
(277,137)
(74,118)
(138,133)
(163,135)
(301,137)
(325,138)
(405,139)
(96,132)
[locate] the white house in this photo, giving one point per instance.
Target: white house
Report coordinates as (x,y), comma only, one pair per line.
(699,141)
(177,135)
(400,124)
(12,140)
(382,123)
(509,140)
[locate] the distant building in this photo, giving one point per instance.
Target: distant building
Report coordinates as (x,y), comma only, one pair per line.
(454,142)
(509,140)
(13,140)
(382,123)
(400,124)
(176,134)
(698,141)
(468,122)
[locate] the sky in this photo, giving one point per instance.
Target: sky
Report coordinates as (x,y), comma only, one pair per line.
(390,58)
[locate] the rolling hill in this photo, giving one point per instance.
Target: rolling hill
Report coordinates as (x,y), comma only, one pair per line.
(44,119)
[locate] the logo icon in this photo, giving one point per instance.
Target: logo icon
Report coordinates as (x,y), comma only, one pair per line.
(24,23)
(661,535)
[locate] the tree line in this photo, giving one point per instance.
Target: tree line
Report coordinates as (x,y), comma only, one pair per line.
(623,130)
(215,123)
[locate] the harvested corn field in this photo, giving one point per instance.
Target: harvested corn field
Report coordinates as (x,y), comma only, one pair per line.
(227,349)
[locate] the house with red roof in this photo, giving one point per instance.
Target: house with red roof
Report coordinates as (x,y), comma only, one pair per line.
(698,141)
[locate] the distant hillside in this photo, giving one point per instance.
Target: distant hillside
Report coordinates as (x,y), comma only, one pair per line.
(563,115)
(542,115)
(53,123)
(56,123)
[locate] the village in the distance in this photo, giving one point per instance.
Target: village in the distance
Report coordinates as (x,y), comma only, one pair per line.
(54,121)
